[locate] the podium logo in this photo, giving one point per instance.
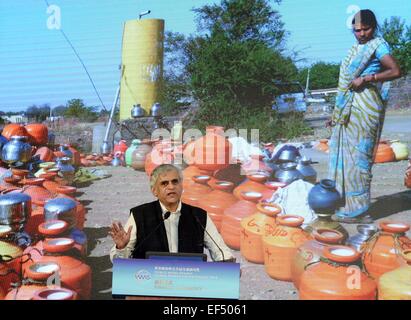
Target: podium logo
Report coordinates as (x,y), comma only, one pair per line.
(143,275)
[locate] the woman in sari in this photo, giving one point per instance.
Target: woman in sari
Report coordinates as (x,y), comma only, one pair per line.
(358,117)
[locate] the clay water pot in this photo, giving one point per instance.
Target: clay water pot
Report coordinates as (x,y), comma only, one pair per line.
(190,172)
(217,201)
(280,245)
(197,191)
(231,221)
(337,276)
(45,154)
(396,284)
(37,275)
(75,274)
(38,133)
(14,129)
(212,152)
(323,145)
(325,222)
(231,173)
(139,155)
(312,250)
(384,153)
(255,182)
(382,252)
(254,227)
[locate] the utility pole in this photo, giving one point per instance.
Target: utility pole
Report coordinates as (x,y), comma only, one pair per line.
(307,84)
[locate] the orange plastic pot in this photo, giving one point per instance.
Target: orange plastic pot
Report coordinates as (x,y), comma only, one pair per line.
(231,221)
(197,191)
(190,172)
(255,182)
(323,146)
(38,274)
(45,154)
(382,253)
(254,227)
(14,129)
(312,250)
(280,246)
(337,276)
(38,133)
(39,195)
(36,218)
(217,201)
(212,152)
(75,274)
(384,153)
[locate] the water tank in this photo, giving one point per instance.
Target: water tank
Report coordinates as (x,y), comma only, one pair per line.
(142,65)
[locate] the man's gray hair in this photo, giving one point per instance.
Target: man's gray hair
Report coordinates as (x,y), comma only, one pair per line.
(162,169)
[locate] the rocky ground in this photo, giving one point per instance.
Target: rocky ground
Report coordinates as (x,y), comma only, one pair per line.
(111,198)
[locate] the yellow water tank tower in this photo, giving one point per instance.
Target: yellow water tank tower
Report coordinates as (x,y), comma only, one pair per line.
(142,65)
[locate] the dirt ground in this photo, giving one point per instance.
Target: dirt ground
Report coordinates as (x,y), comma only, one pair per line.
(111,198)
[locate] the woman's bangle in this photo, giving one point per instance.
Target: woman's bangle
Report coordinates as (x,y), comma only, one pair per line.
(375,77)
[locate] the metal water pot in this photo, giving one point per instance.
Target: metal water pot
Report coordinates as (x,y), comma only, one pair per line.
(3,141)
(305,168)
(137,111)
(287,153)
(117,162)
(288,173)
(15,209)
(156,110)
(16,150)
(67,152)
(67,171)
(365,232)
(61,209)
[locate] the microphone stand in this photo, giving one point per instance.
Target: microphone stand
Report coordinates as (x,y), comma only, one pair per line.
(204,229)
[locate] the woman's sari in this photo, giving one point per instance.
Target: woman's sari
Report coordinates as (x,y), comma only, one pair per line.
(358,118)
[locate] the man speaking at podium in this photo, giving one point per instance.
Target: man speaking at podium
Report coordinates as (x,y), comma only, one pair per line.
(167,225)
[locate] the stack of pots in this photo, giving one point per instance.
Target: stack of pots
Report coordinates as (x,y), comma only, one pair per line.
(324,199)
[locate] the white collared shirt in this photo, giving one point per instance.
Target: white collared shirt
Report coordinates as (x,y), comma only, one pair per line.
(171,226)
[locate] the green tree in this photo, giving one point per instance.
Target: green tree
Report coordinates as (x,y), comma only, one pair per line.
(398,35)
(322,75)
(77,109)
(234,63)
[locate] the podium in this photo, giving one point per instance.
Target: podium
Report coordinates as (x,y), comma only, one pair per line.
(165,278)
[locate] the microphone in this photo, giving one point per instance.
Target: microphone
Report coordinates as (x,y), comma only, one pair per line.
(204,229)
(166,216)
